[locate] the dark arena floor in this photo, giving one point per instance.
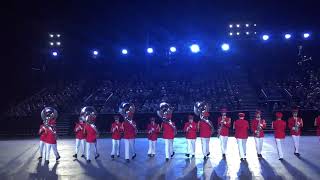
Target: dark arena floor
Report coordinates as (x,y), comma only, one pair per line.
(18,160)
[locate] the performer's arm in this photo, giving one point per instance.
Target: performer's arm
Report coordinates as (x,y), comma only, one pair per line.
(228,123)
(264,124)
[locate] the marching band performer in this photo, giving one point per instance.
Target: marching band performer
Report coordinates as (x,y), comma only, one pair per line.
(129,129)
(279,127)
(190,128)
(204,126)
(42,133)
(224,124)
(257,126)
(241,127)
(168,127)
(50,115)
(153,130)
(80,137)
(116,136)
(90,130)
(295,124)
(317,124)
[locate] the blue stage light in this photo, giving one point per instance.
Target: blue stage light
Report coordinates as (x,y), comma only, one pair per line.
(173,49)
(150,50)
(95,52)
(287,36)
(265,37)
(195,48)
(306,35)
(54,53)
(225,47)
(124,51)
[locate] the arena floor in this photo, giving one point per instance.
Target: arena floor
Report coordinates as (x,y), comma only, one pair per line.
(18,160)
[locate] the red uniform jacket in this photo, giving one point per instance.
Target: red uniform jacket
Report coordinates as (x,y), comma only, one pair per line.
(90,133)
(129,130)
(241,127)
(318,126)
(291,123)
(42,133)
(191,133)
(254,126)
(79,131)
(205,129)
(224,127)
(168,130)
(279,127)
(51,135)
(153,131)
(116,130)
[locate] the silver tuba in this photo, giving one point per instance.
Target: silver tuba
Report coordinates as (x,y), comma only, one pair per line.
(88,114)
(48,113)
(127,110)
(165,111)
(200,108)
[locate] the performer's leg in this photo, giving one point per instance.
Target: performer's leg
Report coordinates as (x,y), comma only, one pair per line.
(188,146)
(77,146)
(207,145)
(279,147)
(55,150)
(193,146)
(225,142)
(132,147)
(221,144)
(166,145)
(48,149)
(203,143)
(88,149)
(257,144)
(153,147)
(126,149)
(298,143)
(95,147)
(240,147)
(41,148)
(260,145)
(113,151)
(294,138)
(150,147)
(171,146)
(117,147)
(244,144)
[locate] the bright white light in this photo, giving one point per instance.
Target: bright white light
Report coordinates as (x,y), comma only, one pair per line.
(265,37)
(287,36)
(247,25)
(306,35)
(95,52)
(238,33)
(51,43)
(124,51)
(58,35)
(54,53)
(255,32)
(238,25)
(230,26)
(51,35)
(58,43)
(255,25)
(194,48)
(173,49)
(225,47)
(150,50)
(247,33)
(230,33)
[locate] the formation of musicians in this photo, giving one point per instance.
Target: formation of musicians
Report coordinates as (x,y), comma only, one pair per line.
(86,132)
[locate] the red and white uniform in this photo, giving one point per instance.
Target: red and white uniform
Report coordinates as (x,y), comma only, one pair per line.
(279,127)
(91,135)
(129,129)
(168,136)
(241,126)
(153,130)
(224,132)
(295,134)
(80,137)
(51,140)
(42,134)
(191,134)
(258,138)
(317,124)
(116,136)
(205,134)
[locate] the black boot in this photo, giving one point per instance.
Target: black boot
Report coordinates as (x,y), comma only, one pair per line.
(98,155)
(172,154)
(112,157)
(57,158)
(83,156)
(134,156)
(187,155)
(39,158)
(88,161)
(167,159)
(47,161)
(75,156)
(127,160)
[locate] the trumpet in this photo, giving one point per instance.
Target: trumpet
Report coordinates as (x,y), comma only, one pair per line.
(259,128)
(296,126)
(223,121)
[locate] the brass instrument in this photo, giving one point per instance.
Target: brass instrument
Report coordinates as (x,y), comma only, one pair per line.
(221,123)
(296,125)
(259,128)
(165,113)
(200,108)
(127,110)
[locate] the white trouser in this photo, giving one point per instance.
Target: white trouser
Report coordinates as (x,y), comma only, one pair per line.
(168,144)
(115,147)
(279,147)
(259,143)
(88,149)
(205,145)
(191,146)
(242,147)
(152,147)
(223,143)
(48,149)
(128,145)
(81,143)
(41,148)
(296,140)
